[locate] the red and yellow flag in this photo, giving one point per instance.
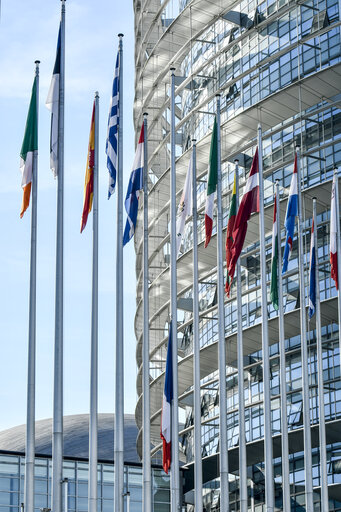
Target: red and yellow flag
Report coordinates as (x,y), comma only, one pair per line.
(89,175)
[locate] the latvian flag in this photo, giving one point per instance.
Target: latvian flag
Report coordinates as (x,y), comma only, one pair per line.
(312,276)
(52,103)
(166,429)
(229,233)
(290,218)
(89,174)
(333,236)
(249,204)
(274,262)
(211,184)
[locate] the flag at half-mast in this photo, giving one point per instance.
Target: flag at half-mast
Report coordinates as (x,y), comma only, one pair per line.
(89,174)
(290,218)
(333,236)
(52,103)
(229,233)
(312,276)
(113,125)
(211,184)
(248,205)
(274,261)
(29,145)
(135,184)
(185,206)
(166,425)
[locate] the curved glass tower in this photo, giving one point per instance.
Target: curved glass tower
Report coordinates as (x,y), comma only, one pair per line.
(277,63)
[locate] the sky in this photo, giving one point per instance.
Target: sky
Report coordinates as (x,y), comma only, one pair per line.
(28,32)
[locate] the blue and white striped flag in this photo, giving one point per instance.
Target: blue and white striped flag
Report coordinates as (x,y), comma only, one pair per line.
(134,186)
(113,124)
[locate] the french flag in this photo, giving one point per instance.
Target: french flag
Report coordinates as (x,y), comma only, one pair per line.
(312,277)
(333,236)
(133,193)
(289,223)
(166,429)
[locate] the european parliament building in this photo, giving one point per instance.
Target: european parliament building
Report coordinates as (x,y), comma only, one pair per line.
(277,63)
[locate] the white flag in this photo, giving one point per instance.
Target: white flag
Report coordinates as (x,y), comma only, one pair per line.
(185,207)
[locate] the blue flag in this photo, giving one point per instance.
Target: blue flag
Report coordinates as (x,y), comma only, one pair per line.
(113,124)
(312,277)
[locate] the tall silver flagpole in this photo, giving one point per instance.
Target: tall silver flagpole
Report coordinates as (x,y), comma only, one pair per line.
(224,468)
(196,342)
(338,245)
(240,364)
(57,429)
(322,424)
(31,369)
(147,472)
(282,364)
(304,349)
(119,388)
(93,423)
(268,458)
(175,475)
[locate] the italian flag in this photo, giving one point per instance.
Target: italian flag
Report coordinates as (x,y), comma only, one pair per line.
(29,145)
(89,174)
(229,233)
(211,184)
(333,235)
(274,262)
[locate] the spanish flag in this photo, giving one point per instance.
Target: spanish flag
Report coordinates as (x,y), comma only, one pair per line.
(89,175)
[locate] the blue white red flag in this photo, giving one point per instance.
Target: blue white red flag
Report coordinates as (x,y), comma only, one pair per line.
(134,186)
(290,218)
(166,428)
(312,277)
(52,103)
(113,124)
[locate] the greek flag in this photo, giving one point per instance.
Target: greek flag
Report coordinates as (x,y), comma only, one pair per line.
(113,124)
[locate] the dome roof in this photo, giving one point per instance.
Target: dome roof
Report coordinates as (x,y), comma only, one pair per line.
(76,437)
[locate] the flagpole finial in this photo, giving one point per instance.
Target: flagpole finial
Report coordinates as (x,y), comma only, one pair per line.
(145,114)
(37,62)
(120,35)
(236,161)
(194,141)
(172,69)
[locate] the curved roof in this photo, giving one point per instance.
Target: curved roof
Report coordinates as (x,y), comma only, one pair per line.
(76,437)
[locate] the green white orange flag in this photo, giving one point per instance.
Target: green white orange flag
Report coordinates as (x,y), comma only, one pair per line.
(89,174)
(211,184)
(29,145)
(229,233)
(274,262)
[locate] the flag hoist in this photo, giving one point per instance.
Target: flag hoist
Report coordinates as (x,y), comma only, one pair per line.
(29,170)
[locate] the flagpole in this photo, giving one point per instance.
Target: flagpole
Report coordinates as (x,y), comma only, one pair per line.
(147,484)
(322,424)
(304,348)
(282,364)
(93,422)
(119,388)
(31,369)
(175,476)
(240,364)
(338,245)
(57,429)
(268,457)
(196,343)
(224,484)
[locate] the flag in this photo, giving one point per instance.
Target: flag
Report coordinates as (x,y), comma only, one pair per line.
(89,174)
(274,262)
(113,124)
(166,430)
(229,233)
(312,277)
(289,223)
(134,186)
(249,204)
(52,103)
(29,145)
(211,184)
(185,206)
(333,236)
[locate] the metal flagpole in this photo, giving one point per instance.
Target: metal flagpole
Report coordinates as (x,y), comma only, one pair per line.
(93,423)
(338,245)
(119,370)
(196,343)
(240,364)
(268,459)
(304,350)
(147,478)
(224,470)
(57,428)
(322,424)
(282,364)
(175,476)
(31,369)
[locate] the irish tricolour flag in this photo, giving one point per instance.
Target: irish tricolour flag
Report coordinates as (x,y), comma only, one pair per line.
(29,145)
(211,184)
(274,262)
